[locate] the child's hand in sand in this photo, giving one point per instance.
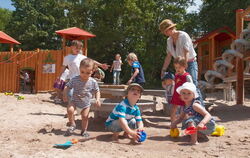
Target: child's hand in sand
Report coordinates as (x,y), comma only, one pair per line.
(200,126)
(135,135)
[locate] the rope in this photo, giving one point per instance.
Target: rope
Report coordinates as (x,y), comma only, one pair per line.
(18,61)
(4,62)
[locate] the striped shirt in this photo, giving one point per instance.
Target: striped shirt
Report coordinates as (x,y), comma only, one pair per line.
(124,110)
(83,91)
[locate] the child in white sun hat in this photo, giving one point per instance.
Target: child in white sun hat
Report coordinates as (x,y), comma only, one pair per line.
(197,116)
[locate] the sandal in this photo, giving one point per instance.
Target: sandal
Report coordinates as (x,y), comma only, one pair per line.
(85,134)
(70,130)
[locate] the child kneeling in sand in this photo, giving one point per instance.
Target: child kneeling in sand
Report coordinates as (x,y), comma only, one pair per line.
(84,88)
(126,116)
(197,116)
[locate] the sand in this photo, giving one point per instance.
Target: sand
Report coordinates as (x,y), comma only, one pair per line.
(30,128)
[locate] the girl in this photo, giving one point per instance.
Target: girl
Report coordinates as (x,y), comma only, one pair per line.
(116,67)
(181,76)
(197,116)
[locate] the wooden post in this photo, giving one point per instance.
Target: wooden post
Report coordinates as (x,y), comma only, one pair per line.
(37,70)
(85,51)
(11,48)
(18,72)
(63,45)
(239,62)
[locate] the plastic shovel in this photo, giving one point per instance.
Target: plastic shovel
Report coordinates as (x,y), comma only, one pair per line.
(193,130)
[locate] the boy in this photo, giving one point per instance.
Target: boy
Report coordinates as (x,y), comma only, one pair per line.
(168,84)
(126,116)
(137,70)
(84,88)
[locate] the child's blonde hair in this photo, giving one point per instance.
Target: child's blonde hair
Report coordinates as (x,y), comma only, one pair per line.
(181,61)
(87,62)
(132,57)
(77,43)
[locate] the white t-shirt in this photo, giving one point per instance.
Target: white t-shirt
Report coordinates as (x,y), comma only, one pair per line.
(65,75)
(183,42)
(73,63)
(117,65)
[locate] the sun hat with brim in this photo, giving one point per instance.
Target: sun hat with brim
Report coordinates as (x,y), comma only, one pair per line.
(188,86)
(135,85)
(166,24)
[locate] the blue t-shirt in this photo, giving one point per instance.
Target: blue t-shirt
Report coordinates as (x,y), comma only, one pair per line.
(124,110)
(140,77)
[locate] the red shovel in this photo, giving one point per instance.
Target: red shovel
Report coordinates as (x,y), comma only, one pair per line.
(193,130)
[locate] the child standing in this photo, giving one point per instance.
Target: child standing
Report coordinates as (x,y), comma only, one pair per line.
(126,116)
(116,67)
(181,76)
(168,84)
(137,70)
(197,116)
(84,88)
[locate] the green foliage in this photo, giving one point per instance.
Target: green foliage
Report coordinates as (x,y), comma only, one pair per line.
(215,14)
(34,23)
(5,16)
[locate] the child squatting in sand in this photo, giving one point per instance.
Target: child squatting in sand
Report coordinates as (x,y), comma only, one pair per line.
(195,116)
(126,116)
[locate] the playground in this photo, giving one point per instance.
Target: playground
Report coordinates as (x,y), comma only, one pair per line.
(33,123)
(31,127)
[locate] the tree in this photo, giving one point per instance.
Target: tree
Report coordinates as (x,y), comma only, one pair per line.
(5,16)
(215,14)
(34,23)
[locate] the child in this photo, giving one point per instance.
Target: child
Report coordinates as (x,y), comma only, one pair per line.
(59,86)
(168,84)
(197,116)
(84,87)
(181,76)
(116,67)
(126,116)
(98,75)
(137,70)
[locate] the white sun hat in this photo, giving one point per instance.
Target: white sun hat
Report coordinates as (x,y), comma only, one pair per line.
(189,86)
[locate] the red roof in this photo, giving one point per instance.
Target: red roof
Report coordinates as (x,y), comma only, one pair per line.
(223,34)
(75,33)
(4,38)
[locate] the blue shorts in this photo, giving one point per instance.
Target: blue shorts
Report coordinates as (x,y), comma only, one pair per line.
(116,127)
(196,120)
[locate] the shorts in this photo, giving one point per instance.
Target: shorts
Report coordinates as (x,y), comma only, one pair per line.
(116,127)
(79,109)
(196,120)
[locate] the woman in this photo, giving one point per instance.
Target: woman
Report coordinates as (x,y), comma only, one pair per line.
(179,43)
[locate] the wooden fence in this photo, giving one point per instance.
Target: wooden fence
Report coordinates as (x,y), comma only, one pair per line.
(45,63)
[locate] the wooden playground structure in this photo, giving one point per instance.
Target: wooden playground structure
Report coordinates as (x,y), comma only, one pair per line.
(46,64)
(234,59)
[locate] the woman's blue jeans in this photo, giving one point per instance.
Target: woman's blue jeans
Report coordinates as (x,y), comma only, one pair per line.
(193,71)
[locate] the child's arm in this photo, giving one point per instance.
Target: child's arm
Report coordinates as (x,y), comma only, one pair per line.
(62,70)
(112,67)
(189,78)
(104,66)
(126,128)
(134,75)
(140,125)
(179,120)
(97,97)
(207,117)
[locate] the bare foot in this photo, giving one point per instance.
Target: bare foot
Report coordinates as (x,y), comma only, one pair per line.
(115,138)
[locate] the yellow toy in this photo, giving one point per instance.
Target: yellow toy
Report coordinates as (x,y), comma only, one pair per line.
(8,93)
(174,132)
(219,130)
(20,97)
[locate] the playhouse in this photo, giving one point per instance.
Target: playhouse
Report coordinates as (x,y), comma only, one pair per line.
(211,46)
